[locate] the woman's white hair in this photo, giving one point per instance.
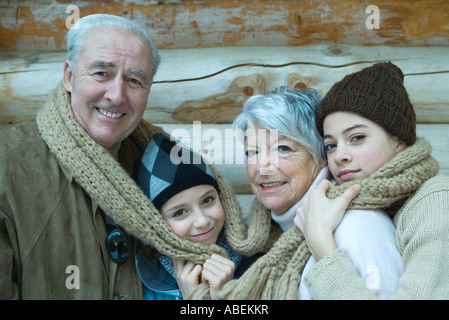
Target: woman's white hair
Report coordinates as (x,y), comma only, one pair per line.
(76,35)
(289,111)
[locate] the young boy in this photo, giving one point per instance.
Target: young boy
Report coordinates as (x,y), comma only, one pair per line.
(368,126)
(184,189)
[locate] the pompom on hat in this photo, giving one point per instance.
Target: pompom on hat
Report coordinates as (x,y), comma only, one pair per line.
(168,167)
(377,93)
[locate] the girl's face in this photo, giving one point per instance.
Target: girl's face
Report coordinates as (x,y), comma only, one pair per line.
(195,214)
(356,146)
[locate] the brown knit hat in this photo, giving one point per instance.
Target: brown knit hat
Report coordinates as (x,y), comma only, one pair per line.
(377,93)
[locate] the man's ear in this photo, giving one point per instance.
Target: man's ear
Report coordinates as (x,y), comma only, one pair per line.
(67,78)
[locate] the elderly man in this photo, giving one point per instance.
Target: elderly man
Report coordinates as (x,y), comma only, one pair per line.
(66,177)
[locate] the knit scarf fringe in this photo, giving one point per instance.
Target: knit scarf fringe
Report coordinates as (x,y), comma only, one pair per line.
(104,179)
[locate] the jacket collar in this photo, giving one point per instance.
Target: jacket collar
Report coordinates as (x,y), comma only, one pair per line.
(154,276)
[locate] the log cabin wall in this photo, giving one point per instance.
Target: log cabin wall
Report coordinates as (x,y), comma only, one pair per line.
(215,54)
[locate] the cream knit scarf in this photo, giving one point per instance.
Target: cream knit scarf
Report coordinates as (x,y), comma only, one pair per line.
(103,178)
(276,275)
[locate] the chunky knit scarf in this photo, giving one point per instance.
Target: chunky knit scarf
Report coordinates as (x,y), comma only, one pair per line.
(104,179)
(277,274)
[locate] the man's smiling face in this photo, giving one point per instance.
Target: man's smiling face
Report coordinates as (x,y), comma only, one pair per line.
(110,85)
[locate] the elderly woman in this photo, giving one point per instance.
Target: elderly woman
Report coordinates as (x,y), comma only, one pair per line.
(285,157)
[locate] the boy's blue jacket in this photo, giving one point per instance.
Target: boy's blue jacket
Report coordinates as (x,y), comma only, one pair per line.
(158,284)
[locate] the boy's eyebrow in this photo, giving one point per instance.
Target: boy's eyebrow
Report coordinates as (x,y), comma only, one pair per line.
(183,204)
(355,126)
(176,207)
(207,192)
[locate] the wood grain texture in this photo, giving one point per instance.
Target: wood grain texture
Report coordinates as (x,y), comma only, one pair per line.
(222,108)
(178,24)
(211,84)
(218,53)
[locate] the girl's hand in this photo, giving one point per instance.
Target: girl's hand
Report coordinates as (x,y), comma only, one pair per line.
(319,216)
(217,271)
(187,275)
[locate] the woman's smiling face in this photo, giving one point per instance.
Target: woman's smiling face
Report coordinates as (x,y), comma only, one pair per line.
(280,170)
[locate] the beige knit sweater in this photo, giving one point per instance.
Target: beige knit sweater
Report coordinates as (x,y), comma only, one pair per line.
(422,237)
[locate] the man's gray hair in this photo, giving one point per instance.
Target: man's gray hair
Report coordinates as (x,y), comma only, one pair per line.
(291,112)
(76,35)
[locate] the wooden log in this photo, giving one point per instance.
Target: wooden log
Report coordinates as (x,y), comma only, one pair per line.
(205,75)
(176,24)
(193,77)
(222,108)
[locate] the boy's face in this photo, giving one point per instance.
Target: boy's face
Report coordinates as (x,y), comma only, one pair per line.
(195,214)
(356,146)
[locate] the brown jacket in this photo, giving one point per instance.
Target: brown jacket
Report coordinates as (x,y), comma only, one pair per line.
(52,237)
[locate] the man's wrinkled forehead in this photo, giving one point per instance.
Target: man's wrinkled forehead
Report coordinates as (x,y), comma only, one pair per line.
(101,54)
